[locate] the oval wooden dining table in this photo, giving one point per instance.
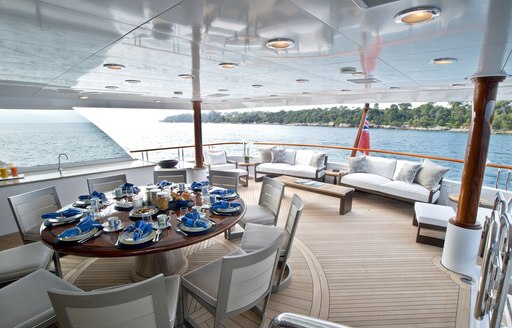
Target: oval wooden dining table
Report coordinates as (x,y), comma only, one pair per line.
(164,256)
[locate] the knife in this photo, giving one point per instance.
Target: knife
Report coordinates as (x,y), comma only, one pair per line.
(96,234)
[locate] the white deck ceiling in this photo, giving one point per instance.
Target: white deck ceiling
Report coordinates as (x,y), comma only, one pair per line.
(53,51)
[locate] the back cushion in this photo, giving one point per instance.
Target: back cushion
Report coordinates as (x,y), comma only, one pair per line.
(266,154)
(400,164)
(303,157)
(290,156)
(381,166)
(217,157)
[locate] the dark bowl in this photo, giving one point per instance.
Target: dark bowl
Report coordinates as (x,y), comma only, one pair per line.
(168,163)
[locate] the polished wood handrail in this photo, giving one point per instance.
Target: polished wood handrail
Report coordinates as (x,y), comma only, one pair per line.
(389,152)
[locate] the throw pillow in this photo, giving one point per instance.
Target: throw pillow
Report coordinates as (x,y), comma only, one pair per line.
(430,174)
(408,172)
(278,155)
(218,157)
(357,164)
(266,154)
(290,156)
(317,160)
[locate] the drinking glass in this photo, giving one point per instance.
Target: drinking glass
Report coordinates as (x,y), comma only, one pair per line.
(146,217)
(183,211)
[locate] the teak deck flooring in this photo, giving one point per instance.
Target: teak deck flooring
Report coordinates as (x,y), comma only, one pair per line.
(363,269)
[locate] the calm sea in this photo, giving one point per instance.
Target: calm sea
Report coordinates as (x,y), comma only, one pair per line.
(83,141)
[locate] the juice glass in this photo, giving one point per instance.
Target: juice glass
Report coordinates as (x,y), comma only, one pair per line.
(14,170)
(3,172)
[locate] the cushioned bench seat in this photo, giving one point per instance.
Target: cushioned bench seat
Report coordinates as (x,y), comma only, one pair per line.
(434,217)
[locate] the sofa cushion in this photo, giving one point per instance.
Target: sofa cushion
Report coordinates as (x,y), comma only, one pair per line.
(411,191)
(303,157)
(430,174)
(381,166)
(272,168)
(408,172)
(217,157)
(278,155)
(289,156)
(364,180)
(318,159)
(266,154)
(305,171)
(357,164)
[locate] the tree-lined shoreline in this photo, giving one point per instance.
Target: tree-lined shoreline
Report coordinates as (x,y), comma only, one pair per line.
(427,116)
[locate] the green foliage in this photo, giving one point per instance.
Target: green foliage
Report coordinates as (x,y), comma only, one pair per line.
(403,115)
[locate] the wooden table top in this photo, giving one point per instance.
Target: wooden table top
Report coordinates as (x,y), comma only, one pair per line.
(103,245)
(322,188)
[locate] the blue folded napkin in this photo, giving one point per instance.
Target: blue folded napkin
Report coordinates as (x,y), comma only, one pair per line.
(95,194)
(181,203)
(84,226)
(194,220)
(223,205)
(222,192)
(164,183)
(139,229)
(199,185)
(66,213)
(127,185)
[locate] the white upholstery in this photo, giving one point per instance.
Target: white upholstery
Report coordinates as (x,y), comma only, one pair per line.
(273,168)
(297,163)
(399,165)
(304,171)
(384,167)
(303,157)
(25,302)
(412,191)
(217,159)
(257,214)
(364,180)
(149,303)
(433,214)
(19,261)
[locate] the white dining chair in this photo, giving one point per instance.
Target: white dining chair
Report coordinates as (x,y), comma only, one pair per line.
(105,184)
(256,236)
(171,175)
(27,209)
(22,260)
(224,179)
(266,211)
(150,303)
(234,283)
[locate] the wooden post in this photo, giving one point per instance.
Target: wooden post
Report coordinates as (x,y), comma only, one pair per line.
(198,133)
(477,146)
(360,130)
(196,96)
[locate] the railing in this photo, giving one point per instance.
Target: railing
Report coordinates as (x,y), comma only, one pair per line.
(291,320)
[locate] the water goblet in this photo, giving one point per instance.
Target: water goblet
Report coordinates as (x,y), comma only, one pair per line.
(146,218)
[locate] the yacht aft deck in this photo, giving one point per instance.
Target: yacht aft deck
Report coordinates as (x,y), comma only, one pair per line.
(362,269)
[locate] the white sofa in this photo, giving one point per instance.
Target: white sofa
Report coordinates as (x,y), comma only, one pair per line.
(300,163)
(398,179)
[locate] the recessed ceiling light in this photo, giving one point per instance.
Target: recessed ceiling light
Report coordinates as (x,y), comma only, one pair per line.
(95,93)
(157,101)
(257,85)
(306,93)
(457,85)
(186,76)
(417,15)
(280,43)
(301,80)
(347,70)
(394,88)
(273,95)
(83,97)
(443,61)
(178,92)
(246,98)
(228,65)
(132,81)
(358,74)
(345,90)
(115,67)
(111,87)
(223,90)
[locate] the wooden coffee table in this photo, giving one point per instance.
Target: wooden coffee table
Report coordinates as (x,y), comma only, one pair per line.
(343,193)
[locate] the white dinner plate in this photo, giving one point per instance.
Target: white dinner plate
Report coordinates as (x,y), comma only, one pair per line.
(195,229)
(127,238)
(79,236)
(228,210)
(137,212)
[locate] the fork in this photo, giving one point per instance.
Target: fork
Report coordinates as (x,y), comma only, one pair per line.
(180,231)
(96,234)
(157,235)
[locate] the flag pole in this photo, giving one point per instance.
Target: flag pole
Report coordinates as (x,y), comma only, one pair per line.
(360,130)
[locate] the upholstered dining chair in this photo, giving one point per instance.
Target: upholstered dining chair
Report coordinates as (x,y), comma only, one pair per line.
(104,184)
(218,160)
(256,236)
(234,283)
(27,209)
(176,176)
(150,303)
(25,302)
(266,211)
(22,260)
(224,179)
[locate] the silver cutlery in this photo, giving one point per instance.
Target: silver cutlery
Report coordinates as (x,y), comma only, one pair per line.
(178,230)
(157,235)
(96,234)
(118,239)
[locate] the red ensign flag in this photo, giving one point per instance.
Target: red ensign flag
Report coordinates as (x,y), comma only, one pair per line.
(364,141)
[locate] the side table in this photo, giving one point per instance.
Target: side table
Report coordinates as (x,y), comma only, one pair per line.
(247,165)
(335,175)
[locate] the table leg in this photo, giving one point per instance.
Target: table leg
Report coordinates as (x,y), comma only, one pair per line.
(346,203)
(169,263)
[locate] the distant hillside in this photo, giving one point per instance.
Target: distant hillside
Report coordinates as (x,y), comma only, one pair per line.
(427,116)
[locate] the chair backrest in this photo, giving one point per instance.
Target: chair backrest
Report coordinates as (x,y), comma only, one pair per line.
(141,304)
(176,176)
(271,195)
(292,222)
(28,207)
(247,278)
(224,179)
(104,184)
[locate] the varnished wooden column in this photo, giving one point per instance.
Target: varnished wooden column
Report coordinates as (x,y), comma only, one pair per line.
(477,146)
(360,130)
(198,133)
